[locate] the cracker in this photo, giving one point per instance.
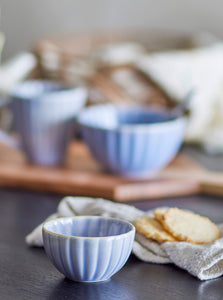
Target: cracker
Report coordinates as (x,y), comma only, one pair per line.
(190,227)
(159,213)
(151,228)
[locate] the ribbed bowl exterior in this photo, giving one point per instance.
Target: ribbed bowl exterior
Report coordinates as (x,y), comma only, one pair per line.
(89,259)
(133,151)
(45,124)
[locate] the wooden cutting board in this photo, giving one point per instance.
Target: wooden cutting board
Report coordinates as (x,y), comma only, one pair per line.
(81,175)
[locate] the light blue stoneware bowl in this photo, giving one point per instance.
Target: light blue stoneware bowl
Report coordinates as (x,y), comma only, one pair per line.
(132,142)
(88,248)
(44,117)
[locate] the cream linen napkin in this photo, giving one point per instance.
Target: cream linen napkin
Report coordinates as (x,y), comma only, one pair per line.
(200,69)
(202,261)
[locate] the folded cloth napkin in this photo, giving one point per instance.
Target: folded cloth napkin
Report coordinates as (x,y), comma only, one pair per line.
(202,261)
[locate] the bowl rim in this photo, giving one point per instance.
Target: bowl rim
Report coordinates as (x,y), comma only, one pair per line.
(58,87)
(131,127)
(132,228)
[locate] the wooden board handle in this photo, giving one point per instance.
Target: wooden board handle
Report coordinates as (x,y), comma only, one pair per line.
(209,182)
(212,183)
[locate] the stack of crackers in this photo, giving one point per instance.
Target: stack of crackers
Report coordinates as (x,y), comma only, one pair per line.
(175,225)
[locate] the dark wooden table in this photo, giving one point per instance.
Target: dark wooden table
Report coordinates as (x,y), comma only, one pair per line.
(26,273)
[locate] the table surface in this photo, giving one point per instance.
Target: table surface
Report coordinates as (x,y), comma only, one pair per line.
(26,273)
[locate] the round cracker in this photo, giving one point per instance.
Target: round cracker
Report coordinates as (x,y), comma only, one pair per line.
(189,227)
(151,228)
(159,213)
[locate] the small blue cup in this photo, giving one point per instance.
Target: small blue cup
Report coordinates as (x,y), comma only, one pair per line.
(131,141)
(88,248)
(44,117)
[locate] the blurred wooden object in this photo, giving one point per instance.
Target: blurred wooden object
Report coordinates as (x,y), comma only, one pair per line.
(81,175)
(68,58)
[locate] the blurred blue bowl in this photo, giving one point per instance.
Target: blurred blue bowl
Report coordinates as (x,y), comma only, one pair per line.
(44,114)
(88,248)
(131,141)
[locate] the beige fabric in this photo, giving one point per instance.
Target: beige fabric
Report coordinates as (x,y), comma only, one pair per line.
(201,69)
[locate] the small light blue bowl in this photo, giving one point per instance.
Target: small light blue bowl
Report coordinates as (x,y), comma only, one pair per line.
(88,248)
(131,141)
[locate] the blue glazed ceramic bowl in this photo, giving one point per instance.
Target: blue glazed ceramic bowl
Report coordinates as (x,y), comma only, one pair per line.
(44,117)
(88,248)
(133,142)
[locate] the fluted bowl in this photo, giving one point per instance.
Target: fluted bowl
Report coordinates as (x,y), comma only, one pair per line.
(88,248)
(131,141)
(44,117)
